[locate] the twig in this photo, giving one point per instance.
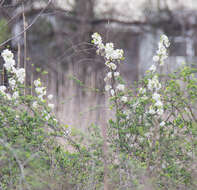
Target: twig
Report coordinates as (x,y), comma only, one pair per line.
(28,27)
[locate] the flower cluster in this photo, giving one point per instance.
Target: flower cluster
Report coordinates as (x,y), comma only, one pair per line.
(112,58)
(17,77)
(162,54)
(41,92)
(9,65)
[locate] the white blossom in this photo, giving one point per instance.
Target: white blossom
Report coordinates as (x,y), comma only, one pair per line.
(8,96)
(111,65)
(160,111)
(37,82)
(15,95)
(51,106)
(152,68)
(20,74)
(9,64)
(116,74)
(112,92)
(109,75)
(151,110)
(12,83)
(2,89)
(107,87)
(159,103)
(162,123)
(156,58)
(156,96)
(35,104)
(120,87)
(124,99)
(50,97)
(7,55)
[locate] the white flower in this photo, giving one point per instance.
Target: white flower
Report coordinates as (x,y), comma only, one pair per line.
(35,104)
(159,104)
(8,96)
(12,83)
(160,111)
(156,96)
(112,92)
(2,89)
(20,74)
(154,83)
(37,82)
(15,95)
(51,106)
(50,97)
(142,90)
(165,40)
(109,75)
(105,79)
(156,58)
(111,66)
(41,90)
(152,68)
(151,110)
(124,99)
(117,54)
(107,87)
(162,123)
(9,64)
(7,54)
(97,38)
(120,87)
(116,74)
(109,48)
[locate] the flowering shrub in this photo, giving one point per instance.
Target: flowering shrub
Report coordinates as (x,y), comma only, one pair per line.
(27,130)
(155,122)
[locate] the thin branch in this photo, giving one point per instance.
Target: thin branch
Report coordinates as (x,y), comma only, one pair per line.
(28,27)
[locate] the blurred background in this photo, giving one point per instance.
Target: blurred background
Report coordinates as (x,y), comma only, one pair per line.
(53,39)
